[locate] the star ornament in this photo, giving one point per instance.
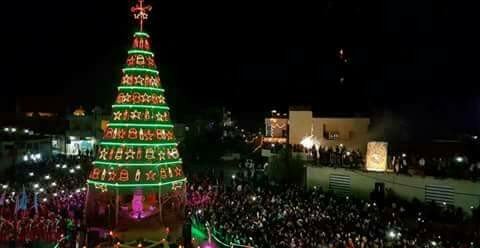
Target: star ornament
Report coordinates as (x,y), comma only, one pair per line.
(130,154)
(150,175)
(103,154)
(139,80)
(135,115)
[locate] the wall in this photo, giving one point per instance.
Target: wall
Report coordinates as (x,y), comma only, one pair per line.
(353,131)
(300,125)
(467,193)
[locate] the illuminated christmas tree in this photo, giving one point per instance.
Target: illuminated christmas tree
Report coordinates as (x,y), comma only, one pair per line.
(138,166)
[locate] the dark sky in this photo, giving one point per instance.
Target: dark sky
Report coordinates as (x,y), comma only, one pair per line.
(416,58)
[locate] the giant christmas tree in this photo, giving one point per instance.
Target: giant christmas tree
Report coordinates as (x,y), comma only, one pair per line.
(138,168)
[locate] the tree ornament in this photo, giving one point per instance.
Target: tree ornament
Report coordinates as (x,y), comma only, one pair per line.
(148,80)
(119,153)
(104,173)
(120,98)
(131,60)
(108,133)
(162,116)
(170,173)
(146,44)
(139,153)
(150,62)
(156,81)
(135,115)
(117,115)
(160,134)
(127,80)
(147,98)
(136,97)
(127,98)
(140,60)
(154,99)
(149,135)
(139,80)
(95,173)
(169,135)
(141,43)
(132,133)
(163,173)
(140,134)
(151,175)
(125,115)
(137,175)
(135,43)
(121,133)
(111,153)
(161,154)
(172,153)
(130,154)
(123,177)
(103,154)
(140,12)
(111,175)
(178,171)
(149,154)
(146,115)
(161,99)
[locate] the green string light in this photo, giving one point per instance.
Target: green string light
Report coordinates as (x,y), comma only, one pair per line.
(122,124)
(135,184)
(140,88)
(137,144)
(142,34)
(139,106)
(137,164)
(135,69)
(135,51)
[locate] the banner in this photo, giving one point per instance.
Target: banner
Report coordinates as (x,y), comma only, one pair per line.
(377,156)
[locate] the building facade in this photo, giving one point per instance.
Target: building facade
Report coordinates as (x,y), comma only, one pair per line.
(351,132)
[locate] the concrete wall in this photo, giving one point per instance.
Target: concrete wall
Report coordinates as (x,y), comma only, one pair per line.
(467,193)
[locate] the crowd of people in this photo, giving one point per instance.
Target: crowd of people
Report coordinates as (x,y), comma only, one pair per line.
(457,166)
(44,202)
(264,215)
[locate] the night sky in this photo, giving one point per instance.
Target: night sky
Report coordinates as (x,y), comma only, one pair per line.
(417,59)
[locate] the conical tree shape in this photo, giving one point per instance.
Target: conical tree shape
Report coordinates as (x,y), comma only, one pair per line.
(138,149)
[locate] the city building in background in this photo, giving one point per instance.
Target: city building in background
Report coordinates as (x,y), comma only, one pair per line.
(18,145)
(84,129)
(351,132)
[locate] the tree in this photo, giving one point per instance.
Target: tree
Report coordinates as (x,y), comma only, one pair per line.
(138,153)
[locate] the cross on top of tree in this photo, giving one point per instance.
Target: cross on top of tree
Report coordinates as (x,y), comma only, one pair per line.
(140,12)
